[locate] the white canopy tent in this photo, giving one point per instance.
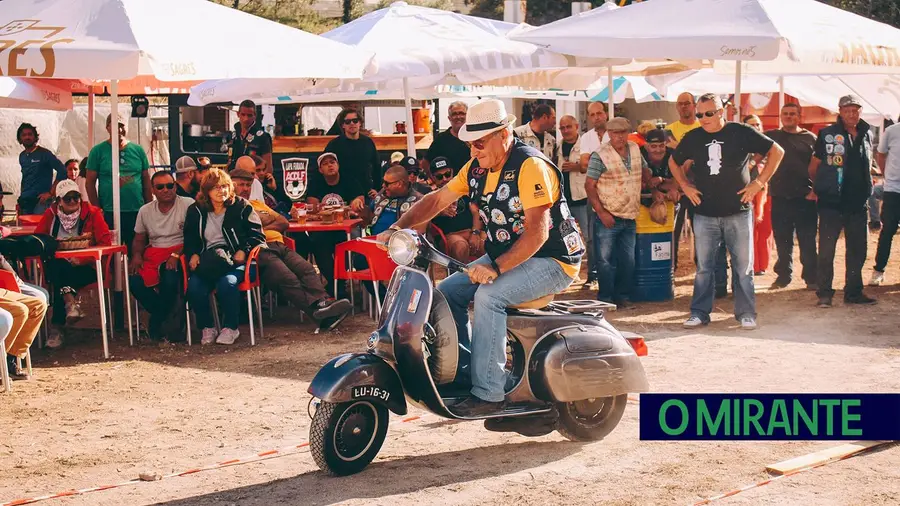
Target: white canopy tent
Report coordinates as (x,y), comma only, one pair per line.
(122,39)
(23,93)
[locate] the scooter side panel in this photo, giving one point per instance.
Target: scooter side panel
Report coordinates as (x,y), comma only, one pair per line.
(355,376)
(589,362)
(411,292)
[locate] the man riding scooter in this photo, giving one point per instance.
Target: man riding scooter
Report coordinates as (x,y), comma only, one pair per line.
(533,246)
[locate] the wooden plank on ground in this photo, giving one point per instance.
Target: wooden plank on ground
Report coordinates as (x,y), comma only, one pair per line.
(820,457)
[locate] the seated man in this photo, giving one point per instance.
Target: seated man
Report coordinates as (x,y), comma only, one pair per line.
(459,222)
(284,270)
(273,195)
(156,251)
(412,170)
(534,251)
(330,190)
(27,315)
(392,202)
(70,217)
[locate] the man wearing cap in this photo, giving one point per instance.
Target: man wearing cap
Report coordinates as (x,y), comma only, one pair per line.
(38,165)
(840,172)
(134,180)
(412,171)
(656,153)
(721,191)
(156,251)
(256,190)
(332,189)
(248,137)
(538,132)
(613,187)
(447,144)
(283,270)
(534,248)
(459,221)
(187,178)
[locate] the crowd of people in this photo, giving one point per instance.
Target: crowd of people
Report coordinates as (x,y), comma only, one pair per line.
(735,183)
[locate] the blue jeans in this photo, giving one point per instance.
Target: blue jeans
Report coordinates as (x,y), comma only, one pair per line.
(614,255)
(582,215)
(227,294)
(532,279)
(736,231)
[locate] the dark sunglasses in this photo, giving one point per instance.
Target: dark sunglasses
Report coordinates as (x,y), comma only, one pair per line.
(351,120)
(388,183)
(708,114)
(68,199)
(443,175)
(167,186)
(479,144)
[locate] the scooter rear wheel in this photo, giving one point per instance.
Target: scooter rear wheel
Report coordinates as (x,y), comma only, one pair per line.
(345,437)
(590,419)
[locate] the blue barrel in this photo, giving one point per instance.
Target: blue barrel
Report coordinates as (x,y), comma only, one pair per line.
(654,278)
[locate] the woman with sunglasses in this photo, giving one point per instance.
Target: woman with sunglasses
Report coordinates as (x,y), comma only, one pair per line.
(71,217)
(219,232)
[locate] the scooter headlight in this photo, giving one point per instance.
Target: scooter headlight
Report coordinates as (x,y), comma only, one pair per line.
(403,247)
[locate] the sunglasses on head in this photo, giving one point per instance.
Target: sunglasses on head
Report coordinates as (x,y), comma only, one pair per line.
(167,186)
(708,114)
(68,199)
(351,120)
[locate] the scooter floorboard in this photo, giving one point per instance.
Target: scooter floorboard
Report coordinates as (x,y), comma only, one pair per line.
(510,409)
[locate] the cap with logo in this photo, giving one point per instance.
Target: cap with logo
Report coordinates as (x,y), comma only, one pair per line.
(655,135)
(324,156)
(440,163)
(410,164)
(185,164)
(849,100)
(65,187)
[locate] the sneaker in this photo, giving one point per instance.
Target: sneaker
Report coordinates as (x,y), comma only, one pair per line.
(228,336)
(328,307)
(877,278)
(209,335)
(860,299)
(693,322)
(748,323)
(55,339)
(74,314)
(824,302)
(331,323)
(780,283)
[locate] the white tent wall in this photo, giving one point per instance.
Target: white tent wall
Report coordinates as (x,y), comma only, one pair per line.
(66,135)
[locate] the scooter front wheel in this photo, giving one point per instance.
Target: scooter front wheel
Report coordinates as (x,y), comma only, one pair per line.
(590,419)
(345,437)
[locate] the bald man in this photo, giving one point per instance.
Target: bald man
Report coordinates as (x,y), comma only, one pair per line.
(687,121)
(248,164)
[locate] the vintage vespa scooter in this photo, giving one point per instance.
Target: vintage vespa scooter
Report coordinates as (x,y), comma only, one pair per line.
(568,369)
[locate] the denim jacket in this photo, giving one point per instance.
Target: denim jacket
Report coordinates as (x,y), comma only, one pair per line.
(838,146)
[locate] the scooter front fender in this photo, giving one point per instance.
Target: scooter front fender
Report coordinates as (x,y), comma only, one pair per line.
(355,376)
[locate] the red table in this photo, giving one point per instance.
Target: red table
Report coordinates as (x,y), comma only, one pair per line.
(96,254)
(21,230)
(317,226)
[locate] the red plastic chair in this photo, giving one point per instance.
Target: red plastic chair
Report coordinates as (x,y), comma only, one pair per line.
(8,281)
(290,243)
(381,267)
(30,219)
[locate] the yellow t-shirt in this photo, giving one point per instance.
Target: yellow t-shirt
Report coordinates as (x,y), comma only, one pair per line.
(535,178)
(262,208)
(678,129)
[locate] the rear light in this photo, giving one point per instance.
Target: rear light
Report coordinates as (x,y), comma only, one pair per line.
(637,343)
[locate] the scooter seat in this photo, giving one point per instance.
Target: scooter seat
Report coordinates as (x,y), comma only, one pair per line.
(535,304)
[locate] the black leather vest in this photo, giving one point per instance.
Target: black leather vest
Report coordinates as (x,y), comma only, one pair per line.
(504,217)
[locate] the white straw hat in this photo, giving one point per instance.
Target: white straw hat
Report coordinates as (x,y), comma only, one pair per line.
(485,117)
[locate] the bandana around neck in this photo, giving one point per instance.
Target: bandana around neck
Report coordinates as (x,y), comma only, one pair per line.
(68,221)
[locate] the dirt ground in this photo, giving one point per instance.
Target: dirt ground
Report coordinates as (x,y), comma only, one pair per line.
(84,421)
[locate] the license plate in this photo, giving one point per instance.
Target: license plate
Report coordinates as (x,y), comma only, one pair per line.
(370,391)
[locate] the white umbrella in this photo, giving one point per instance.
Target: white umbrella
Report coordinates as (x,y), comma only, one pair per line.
(419,47)
(23,93)
(125,39)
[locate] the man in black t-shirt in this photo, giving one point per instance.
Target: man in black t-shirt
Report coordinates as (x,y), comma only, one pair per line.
(249,137)
(357,153)
(447,144)
(718,155)
(791,210)
(332,189)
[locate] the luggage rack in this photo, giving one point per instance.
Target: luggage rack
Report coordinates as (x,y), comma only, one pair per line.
(581,306)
